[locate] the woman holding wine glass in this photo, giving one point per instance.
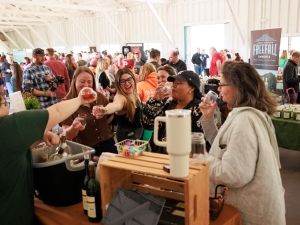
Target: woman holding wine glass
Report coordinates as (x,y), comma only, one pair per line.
(126,106)
(96,133)
(185,95)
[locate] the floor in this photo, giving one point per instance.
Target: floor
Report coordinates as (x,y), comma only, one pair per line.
(290,174)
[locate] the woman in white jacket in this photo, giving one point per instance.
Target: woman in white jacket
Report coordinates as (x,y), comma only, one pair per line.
(244,154)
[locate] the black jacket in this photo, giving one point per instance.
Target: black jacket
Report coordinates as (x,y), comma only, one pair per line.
(196,59)
(154,108)
(290,76)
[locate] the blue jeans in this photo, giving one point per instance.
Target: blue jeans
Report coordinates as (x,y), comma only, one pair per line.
(292,99)
(198,69)
(202,69)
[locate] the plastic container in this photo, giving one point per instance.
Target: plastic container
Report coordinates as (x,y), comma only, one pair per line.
(59,183)
(131,148)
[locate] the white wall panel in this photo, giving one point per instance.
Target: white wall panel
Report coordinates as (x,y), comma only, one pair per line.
(139,24)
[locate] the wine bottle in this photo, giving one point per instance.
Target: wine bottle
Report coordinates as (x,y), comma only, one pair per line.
(60,149)
(83,190)
(93,196)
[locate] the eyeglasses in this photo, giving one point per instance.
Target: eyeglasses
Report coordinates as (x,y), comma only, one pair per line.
(7,104)
(128,80)
(223,85)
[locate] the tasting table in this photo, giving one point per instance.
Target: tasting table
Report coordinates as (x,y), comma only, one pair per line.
(287,133)
(50,215)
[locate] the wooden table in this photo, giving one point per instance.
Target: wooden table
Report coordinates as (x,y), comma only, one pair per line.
(73,215)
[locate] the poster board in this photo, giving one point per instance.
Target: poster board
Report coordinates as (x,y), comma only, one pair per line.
(264,55)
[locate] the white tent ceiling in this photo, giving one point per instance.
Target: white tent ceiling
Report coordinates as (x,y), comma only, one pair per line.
(24,14)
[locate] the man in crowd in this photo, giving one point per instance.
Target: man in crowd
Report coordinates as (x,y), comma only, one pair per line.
(215,63)
(290,76)
(197,61)
(175,62)
(36,79)
(5,70)
(80,61)
(155,58)
(179,55)
(138,61)
(204,62)
(94,55)
(58,68)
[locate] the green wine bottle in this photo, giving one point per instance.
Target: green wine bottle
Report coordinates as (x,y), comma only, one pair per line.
(84,185)
(93,196)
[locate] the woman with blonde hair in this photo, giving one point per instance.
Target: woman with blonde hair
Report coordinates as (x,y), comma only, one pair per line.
(126,106)
(103,81)
(283,59)
(148,82)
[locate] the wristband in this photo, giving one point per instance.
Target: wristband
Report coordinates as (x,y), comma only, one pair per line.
(45,93)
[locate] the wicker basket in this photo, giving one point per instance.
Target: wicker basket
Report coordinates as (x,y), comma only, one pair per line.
(138,147)
(216,204)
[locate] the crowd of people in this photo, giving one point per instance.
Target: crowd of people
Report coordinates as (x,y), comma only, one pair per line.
(131,92)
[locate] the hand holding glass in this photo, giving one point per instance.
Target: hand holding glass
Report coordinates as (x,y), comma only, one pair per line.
(166,89)
(88,94)
(210,98)
(83,118)
(98,111)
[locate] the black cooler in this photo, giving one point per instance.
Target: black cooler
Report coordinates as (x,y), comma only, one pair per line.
(59,183)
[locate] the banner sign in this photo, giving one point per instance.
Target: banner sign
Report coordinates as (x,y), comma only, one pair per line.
(264,50)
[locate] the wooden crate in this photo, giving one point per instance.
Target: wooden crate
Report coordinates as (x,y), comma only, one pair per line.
(146,174)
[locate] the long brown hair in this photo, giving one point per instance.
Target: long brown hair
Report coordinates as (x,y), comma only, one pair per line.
(68,63)
(73,91)
(17,72)
(249,86)
(130,104)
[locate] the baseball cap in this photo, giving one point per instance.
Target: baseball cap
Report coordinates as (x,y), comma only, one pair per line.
(128,63)
(38,51)
(137,51)
(186,75)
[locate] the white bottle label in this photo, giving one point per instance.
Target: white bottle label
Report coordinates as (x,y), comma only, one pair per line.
(286,115)
(277,114)
(91,207)
(84,200)
(298,117)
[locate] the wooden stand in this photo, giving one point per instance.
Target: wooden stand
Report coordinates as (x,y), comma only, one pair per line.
(146,173)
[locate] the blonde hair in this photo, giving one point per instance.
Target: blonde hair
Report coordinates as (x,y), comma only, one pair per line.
(283,54)
(130,104)
(129,55)
(100,69)
(146,69)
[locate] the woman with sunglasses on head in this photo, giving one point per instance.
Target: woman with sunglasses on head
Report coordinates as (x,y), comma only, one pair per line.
(95,133)
(244,154)
(185,95)
(19,132)
(126,106)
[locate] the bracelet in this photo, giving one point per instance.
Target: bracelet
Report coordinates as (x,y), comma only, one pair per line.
(45,93)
